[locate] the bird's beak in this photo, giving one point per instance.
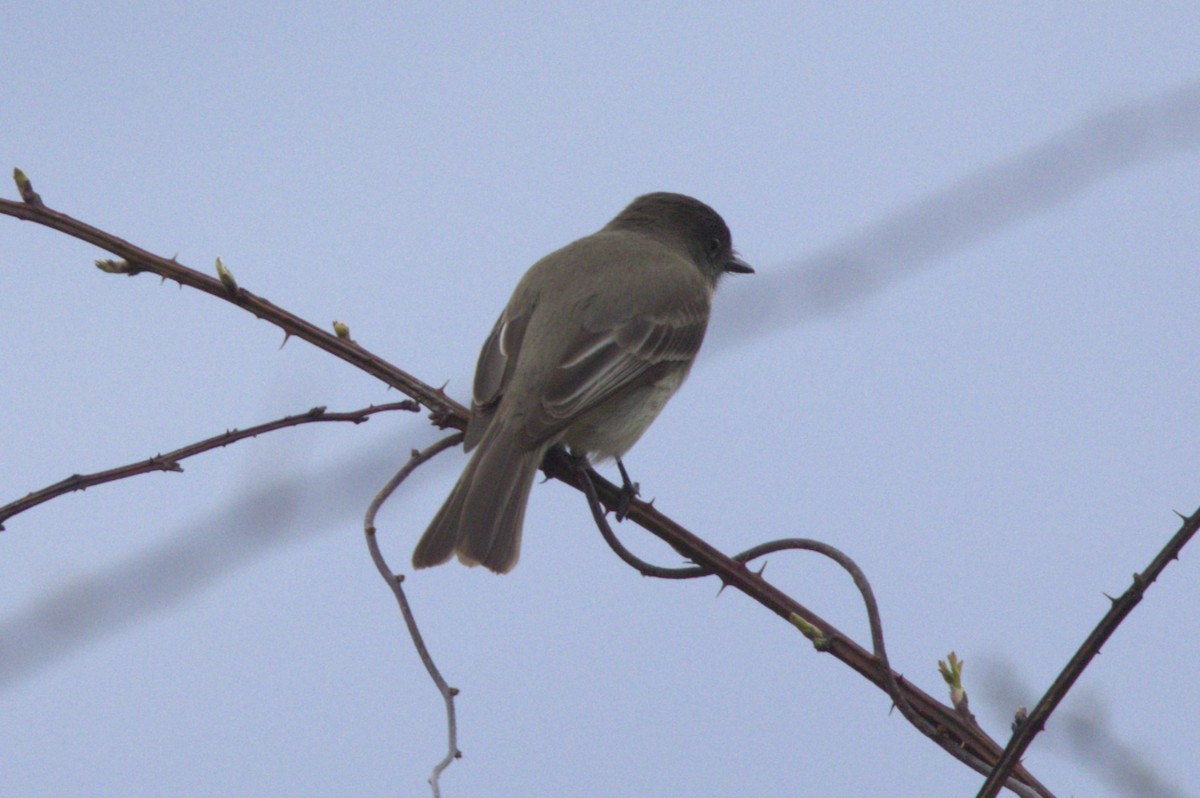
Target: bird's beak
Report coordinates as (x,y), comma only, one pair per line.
(738,266)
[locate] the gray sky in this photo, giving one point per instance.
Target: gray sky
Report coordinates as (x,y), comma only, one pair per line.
(967,360)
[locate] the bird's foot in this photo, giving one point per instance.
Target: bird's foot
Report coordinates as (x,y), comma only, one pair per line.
(629,491)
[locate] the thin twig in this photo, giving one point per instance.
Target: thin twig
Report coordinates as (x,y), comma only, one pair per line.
(631,559)
(1121,607)
(394,582)
(170,460)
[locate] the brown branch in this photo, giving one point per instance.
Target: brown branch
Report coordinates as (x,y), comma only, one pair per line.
(395,582)
(821,637)
(1121,607)
(945,719)
(137,260)
(170,460)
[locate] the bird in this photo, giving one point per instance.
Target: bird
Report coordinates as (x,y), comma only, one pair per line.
(597,336)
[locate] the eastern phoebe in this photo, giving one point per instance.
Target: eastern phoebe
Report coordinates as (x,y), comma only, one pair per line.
(595,340)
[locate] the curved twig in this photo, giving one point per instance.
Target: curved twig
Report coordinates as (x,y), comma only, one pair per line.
(820,637)
(630,559)
(170,460)
(394,582)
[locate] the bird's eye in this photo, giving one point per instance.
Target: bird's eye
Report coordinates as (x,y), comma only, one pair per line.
(714,247)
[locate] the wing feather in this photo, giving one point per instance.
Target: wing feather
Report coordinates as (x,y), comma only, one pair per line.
(497,359)
(603,363)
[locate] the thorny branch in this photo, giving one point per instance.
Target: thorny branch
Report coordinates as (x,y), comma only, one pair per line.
(135,260)
(170,460)
(735,574)
(1121,607)
(819,638)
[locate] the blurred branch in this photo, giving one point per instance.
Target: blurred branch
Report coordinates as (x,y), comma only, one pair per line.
(396,584)
(170,460)
(914,237)
(1083,732)
(269,512)
(1121,607)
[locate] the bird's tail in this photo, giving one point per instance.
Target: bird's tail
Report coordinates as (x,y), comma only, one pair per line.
(481,519)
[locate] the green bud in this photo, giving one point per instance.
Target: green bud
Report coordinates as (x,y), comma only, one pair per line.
(226,278)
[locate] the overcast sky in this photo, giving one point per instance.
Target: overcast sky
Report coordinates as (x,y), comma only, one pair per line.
(968,360)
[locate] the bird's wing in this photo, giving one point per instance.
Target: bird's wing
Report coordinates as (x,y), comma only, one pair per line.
(615,341)
(606,360)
